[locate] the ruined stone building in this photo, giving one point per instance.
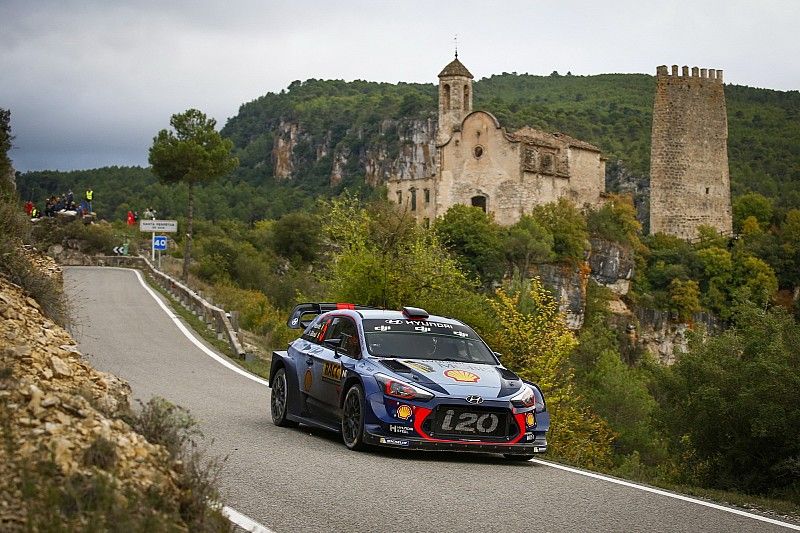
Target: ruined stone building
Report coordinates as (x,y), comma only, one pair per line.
(479,163)
(689,179)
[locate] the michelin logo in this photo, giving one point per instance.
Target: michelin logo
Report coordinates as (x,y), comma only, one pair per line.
(394,442)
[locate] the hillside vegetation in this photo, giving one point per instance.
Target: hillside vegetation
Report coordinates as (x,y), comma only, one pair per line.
(612,111)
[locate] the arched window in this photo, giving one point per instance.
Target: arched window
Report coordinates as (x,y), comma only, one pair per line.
(446,96)
(479,201)
(466,97)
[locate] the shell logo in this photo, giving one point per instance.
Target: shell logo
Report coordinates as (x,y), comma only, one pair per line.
(463,376)
(404,412)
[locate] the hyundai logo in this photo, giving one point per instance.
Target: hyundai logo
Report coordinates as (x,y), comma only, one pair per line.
(474,399)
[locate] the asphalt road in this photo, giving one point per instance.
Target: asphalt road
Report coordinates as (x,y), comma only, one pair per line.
(306,480)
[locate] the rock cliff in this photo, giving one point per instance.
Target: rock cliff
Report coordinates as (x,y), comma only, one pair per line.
(405,148)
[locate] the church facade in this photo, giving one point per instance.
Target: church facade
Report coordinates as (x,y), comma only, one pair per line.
(506,174)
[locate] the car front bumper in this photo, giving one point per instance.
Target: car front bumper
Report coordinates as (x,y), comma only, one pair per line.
(536,446)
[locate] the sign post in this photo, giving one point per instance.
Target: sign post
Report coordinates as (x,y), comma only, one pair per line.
(159,242)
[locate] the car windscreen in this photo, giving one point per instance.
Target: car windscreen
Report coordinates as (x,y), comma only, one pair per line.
(424,339)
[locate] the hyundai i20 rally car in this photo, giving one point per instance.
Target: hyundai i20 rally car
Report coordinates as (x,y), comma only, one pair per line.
(403,379)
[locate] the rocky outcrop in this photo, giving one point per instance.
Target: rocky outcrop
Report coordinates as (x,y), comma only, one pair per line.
(568,286)
(403,149)
(54,407)
(612,265)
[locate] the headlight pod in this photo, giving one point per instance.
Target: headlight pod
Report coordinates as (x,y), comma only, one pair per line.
(527,397)
(524,398)
(402,390)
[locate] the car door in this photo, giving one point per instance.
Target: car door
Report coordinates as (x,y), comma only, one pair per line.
(307,362)
(336,358)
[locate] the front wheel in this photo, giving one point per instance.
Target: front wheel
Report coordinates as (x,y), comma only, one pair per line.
(353,418)
(279,400)
(512,457)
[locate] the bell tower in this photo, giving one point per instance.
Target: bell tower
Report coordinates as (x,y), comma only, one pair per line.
(455,98)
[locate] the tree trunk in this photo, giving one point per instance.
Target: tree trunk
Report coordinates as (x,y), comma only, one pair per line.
(187,246)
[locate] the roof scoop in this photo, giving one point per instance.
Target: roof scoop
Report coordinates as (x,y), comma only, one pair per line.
(415,313)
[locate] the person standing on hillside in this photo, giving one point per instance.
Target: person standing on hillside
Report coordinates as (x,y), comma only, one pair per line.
(28,207)
(89,197)
(131,219)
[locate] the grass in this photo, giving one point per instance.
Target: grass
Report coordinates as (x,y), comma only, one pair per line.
(259,367)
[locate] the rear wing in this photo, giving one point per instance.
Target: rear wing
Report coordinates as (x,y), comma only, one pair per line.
(303,314)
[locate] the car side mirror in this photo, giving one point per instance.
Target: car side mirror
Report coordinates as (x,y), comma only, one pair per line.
(334,344)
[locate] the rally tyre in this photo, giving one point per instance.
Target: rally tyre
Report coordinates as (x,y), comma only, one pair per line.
(279,400)
(520,458)
(353,418)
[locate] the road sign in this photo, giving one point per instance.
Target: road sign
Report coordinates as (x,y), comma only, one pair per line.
(159,242)
(121,250)
(161,226)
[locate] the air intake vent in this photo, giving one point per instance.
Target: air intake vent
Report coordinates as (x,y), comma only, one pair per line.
(395,366)
(507,374)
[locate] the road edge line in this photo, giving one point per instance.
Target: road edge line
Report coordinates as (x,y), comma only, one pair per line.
(230,513)
(669,494)
(244,521)
(189,335)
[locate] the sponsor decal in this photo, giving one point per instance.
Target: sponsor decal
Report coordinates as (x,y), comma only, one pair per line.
(463,376)
(423,329)
(404,430)
(420,323)
(422,367)
(308,380)
(382,328)
(536,449)
(394,442)
(530,420)
(475,399)
(529,436)
(404,412)
(461,334)
(295,321)
(332,372)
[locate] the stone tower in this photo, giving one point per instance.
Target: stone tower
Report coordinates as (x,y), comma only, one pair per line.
(689,179)
(455,98)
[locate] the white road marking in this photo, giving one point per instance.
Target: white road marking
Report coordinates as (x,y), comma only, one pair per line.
(230,513)
(244,521)
(176,319)
(258,528)
(666,493)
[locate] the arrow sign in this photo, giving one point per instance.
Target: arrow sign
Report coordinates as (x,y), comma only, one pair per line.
(121,250)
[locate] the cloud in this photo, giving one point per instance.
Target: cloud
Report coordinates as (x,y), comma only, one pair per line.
(100,78)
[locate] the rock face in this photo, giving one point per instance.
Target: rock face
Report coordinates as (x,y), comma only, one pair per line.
(612,265)
(568,285)
(54,406)
(401,148)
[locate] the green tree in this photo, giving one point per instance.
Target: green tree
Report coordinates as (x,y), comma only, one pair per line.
(475,238)
(757,277)
(615,220)
(684,298)
(752,204)
(732,404)
(296,236)
(528,243)
(193,153)
(6,169)
(537,345)
(568,227)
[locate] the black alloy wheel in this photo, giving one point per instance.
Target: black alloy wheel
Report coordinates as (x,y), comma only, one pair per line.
(353,418)
(279,400)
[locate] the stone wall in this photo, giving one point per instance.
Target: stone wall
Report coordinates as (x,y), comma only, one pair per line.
(689,178)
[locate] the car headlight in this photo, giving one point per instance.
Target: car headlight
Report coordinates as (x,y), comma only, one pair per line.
(524,398)
(528,397)
(402,390)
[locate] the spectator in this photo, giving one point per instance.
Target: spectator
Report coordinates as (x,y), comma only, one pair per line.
(89,197)
(131,220)
(28,207)
(70,199)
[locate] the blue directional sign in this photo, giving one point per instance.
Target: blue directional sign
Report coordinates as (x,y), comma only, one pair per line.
(159,242)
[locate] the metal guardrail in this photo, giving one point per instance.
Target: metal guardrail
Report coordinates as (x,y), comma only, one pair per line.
(215,317)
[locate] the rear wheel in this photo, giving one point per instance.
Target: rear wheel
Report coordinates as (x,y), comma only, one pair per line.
(353,418)
(512,457)
(279,400)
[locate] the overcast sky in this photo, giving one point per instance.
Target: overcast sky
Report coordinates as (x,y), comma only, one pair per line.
(90,83)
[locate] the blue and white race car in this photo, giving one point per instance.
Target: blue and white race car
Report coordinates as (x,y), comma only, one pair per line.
(403,379)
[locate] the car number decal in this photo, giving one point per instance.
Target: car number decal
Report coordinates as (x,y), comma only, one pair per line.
(470,422)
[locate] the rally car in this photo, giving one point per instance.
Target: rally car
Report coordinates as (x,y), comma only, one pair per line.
(403,379)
